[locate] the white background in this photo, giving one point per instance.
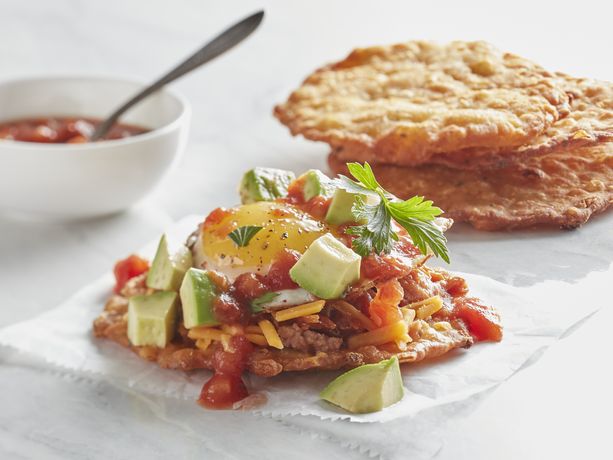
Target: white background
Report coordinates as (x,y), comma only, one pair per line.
(554,409)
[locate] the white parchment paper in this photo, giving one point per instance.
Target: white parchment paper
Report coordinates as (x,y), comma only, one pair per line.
(532,322)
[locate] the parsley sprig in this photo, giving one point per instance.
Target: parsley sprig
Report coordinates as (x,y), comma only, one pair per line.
(242,235)
(377,207)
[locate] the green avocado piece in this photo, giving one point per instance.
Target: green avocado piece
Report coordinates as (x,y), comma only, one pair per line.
(315,183)
(339,212)
(368,388)
(197,295)
(152,318)
(326,268)
(167,271)
(264,184)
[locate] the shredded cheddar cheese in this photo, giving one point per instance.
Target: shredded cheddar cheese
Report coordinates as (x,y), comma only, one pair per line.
(257,339)
(271,335)
(427,307)
(350,310)
(203,344)
(202,332)
(233,329)
(408,314)
(225,343)
(442,326)
(416,305)
(253,329)
(310,308)
(310,319)
(209,334)
(395,332)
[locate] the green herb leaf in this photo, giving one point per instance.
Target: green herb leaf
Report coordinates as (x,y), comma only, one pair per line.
(377,234)
(257,303)
(415,215)
(351,186)
(416,207)
(364,175)
(242,235)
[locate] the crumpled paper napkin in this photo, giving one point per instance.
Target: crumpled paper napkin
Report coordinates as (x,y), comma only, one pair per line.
(533,317)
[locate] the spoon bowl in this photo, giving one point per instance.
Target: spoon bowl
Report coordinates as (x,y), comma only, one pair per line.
(67,181)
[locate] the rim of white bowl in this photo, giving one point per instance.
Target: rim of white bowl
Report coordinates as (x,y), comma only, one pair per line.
(185,110)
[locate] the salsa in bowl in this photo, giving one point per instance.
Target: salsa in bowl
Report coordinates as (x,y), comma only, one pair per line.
(63,130)
(57,174)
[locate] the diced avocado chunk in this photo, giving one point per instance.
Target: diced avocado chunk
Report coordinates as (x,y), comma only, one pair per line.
(167,271)
(368,388)
(152,318)
(264,184)
(197,295)
(326,268)
(339,212)
(315,183)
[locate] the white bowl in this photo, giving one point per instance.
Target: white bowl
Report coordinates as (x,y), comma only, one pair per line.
(84,180)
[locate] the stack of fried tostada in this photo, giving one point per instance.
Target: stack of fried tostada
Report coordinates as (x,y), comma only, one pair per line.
(494,139)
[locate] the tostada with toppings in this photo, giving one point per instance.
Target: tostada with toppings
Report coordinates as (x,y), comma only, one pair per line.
(308,273)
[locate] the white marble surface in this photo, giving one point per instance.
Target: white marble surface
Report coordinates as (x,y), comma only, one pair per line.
(554,409)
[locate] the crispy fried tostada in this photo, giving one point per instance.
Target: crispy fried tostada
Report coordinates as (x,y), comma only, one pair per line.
(563,188)
(307,274)
(589,123)
(409,103)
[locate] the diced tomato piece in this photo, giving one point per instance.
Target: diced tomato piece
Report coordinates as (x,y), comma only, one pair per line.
(227,309)
(383,308)
(278,274)
(483,322)
(223,390)
(216,216)
(295,191)
(249,286)
(456,286)
(127,269)
(317,206)
(383,267)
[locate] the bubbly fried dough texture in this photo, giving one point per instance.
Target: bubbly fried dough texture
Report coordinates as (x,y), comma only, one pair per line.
(408,103)
(563,188)
(182,353)
(589,122)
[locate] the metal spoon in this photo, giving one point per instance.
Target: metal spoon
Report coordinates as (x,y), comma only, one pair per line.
(219,45)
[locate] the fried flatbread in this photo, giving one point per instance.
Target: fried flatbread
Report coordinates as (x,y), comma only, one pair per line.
(589,122)
(182,354)
(407,103)
(561,188)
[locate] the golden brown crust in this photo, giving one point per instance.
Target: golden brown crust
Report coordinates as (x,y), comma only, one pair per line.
(407,103)
(590,122)
(183,355)
(562,188)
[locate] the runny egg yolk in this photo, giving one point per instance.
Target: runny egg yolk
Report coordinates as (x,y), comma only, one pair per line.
(283,226)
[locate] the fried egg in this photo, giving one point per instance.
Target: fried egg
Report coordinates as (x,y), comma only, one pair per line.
(283,226)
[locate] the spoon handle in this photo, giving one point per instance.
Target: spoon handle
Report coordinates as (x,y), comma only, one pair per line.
(219,45)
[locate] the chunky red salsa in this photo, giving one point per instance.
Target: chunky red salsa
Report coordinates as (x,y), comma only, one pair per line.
(128,268)
(62,130)
(227,387)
